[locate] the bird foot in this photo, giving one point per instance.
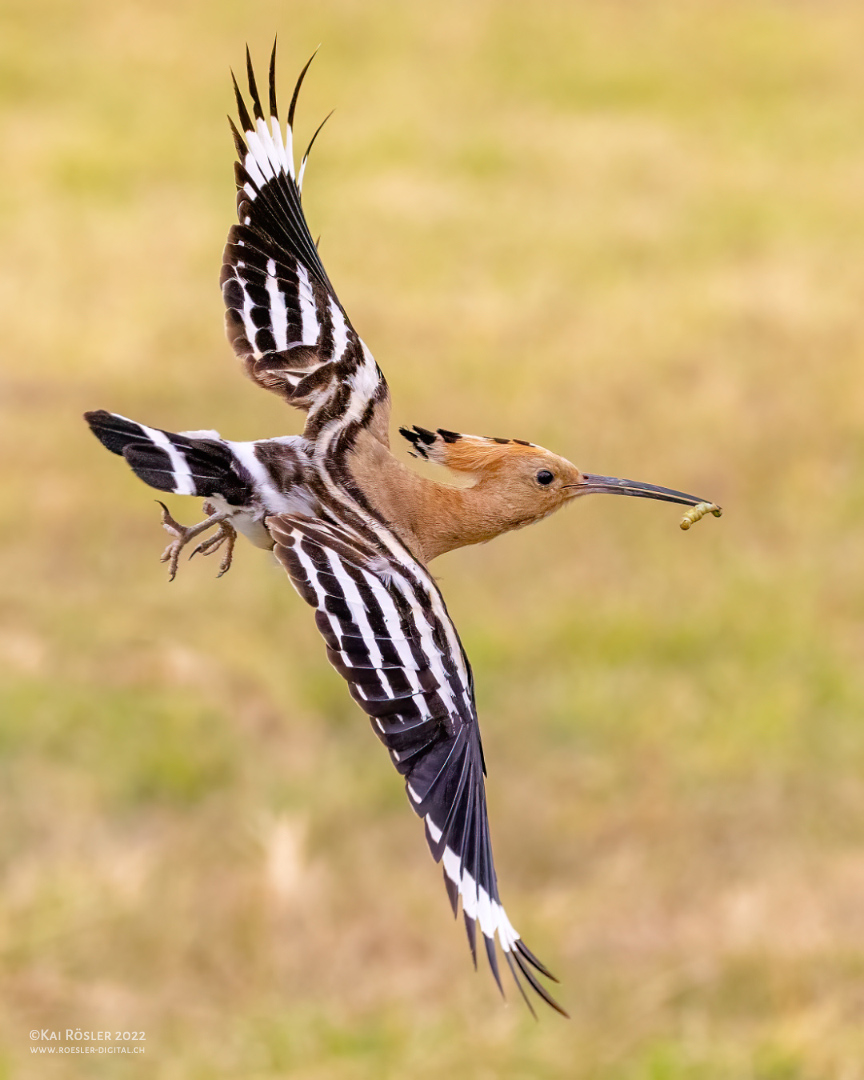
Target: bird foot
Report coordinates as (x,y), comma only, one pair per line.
(183,534)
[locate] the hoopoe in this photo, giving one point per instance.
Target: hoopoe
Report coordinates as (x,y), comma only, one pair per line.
(354,528)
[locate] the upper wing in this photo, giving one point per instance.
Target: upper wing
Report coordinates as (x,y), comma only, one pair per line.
(389,636)
(283,318)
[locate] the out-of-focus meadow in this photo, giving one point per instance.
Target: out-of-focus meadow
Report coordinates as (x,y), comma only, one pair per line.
(633,233)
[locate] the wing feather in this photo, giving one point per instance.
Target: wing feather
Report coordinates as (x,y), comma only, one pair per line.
(386,637)
(283,318)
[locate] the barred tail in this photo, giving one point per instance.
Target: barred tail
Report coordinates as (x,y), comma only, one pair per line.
(182,464)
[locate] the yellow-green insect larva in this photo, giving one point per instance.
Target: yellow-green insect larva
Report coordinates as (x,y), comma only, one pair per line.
(694,514)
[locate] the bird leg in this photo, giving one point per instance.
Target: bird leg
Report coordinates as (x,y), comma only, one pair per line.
(183,534)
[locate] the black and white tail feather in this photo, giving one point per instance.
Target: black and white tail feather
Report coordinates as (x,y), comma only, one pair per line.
(196,463)
(245,480)
(382,617)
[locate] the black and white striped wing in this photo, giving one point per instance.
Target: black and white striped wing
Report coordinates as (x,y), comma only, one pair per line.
(283,318)
(388,634)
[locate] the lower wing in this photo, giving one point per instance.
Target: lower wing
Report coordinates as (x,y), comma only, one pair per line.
(389,636)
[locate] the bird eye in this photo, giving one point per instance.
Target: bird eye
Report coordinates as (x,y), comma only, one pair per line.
(545,477)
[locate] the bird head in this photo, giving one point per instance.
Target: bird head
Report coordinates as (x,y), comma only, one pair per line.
(526,482)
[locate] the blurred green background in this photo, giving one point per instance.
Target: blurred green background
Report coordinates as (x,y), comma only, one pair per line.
(633,233)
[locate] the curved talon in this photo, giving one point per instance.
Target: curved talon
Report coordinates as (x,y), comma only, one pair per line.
(230,540)
(184,534)
(227,535)
(208,546)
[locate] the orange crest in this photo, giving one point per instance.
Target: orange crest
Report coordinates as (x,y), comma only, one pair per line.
(464,453)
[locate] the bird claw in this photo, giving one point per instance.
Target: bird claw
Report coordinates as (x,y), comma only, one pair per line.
(183,534)
(226,535)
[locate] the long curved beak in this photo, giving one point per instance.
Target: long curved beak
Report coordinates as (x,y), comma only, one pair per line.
(611,485)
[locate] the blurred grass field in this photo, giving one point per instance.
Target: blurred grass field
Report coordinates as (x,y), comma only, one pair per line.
(631,233)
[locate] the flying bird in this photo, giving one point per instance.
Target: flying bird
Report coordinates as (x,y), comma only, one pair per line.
(355,528)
